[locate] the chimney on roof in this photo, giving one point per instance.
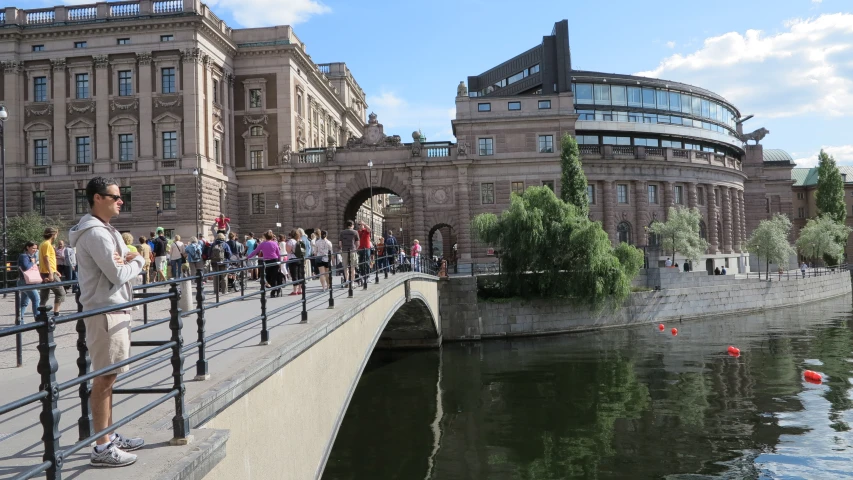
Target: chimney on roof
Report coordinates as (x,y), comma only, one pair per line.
(844,177)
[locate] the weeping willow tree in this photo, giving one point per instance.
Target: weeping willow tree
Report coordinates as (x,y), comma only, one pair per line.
(548,249)
(824,238)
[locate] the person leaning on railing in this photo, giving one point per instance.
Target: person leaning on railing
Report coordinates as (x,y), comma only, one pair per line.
(106,269)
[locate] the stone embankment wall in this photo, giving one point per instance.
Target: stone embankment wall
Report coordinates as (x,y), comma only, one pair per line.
(463,317)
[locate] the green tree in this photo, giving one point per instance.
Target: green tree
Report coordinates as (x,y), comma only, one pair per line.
(770,240)
(548,248)
(830,189)
(680,233)
(29,227)
(573,180)
(822,237)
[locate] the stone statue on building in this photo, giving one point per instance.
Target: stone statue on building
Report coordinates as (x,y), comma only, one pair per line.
(757,135)
(462,149)
(284,154)
(461,90)
(416,144)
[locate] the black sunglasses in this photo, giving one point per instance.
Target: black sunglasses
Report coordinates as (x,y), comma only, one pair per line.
(114,197)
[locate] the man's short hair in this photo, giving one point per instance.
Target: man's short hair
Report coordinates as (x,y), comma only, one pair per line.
(98,185)
(350,224)
(49,232)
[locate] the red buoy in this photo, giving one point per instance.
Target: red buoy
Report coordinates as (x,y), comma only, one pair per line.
(733,351)
(660,327)
(812,377)
(674,331)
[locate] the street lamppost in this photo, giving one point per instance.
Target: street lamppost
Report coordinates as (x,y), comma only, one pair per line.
(197,176)
(158,217)
(277,218)
(370,182)
(3,116)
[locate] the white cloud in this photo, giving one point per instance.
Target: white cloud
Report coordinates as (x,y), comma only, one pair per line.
(808,67)
(843,156)
(670,44)
(400,117)
(264,13)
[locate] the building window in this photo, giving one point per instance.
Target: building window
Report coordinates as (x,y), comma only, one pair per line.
(654,239)
(801,212)
(549,184)
(167,38)
(257,203)
(126,199)
(590,194)
(125,83)
(717,200)
(38,202)
(513,106)
(256,131)
(517,187)
(168,79)
(622,193)
(170,144)
(799,195)
(80,45)
(216,91)
(546,144)
(255,98)
(256,159)
(700,195)
(38,48)
(84,150)
(487,193)
(123,41)
(299,104)
(169,197)
(81,205)
(40,158)
(484,107)
(82,82)
(653,194)
(40,89)
(125,147)
(544,104)
(679,195)
(217,157)
(485,146)
(703,231)
(623,233)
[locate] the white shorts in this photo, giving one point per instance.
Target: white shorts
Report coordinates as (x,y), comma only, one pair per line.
(160,263)
(108,340)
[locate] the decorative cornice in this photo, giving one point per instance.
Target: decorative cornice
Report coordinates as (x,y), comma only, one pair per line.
(87,107)
(124,106)
(247,120)
(144,58)
(174,103)
(47,110)
(58,64)
(12,66)
(191,55)
(207,62)
(101,61)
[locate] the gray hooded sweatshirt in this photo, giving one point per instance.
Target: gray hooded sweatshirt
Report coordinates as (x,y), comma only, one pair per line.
(102,281)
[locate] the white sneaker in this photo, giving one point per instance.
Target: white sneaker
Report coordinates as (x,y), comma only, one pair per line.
(112,456)
(128,444)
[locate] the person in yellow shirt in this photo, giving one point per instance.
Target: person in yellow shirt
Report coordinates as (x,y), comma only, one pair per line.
(49,273)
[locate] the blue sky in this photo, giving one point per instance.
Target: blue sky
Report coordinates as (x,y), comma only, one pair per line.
(789,62)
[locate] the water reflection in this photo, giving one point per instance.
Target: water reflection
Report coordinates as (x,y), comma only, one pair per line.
(632,403)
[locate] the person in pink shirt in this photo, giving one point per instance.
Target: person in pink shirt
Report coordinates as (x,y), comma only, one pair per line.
(222,224)
(269,254)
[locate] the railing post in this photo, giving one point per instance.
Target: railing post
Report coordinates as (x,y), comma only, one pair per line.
(349,271)
(84,423)
(375,268)
(387,264)
(181,421)
(331,280)
(201,371)
(265,334)
(304,298)
(366,277)
(146,279)
(242,278)
(50,411)
(19,320)
(216,279)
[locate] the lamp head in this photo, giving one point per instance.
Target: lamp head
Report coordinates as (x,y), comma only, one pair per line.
(276,206)
(370,164)
(195,172)
(3,113)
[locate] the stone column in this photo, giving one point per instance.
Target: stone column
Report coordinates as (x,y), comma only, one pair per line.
(463,221)
(102,152)
(192,84)
(692,195)
(60,95)
(641,201)
(713,239)
(334,211)
(744,235)
(146,127)
(726,202)
(418,204)
(225,148)
(609,195)
(737,241)
(668,197)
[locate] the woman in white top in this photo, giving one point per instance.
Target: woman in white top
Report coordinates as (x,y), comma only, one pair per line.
(293,266)
(176,256)
(282,249)
(323,250)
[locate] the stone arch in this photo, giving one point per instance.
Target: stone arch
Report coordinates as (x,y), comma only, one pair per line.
(703,230)
(357,190)
(412,323)
(448,238)
(624,233)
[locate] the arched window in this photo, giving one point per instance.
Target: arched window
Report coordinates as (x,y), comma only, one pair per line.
(256,131)
(623,233)
(654,239)
(703,231)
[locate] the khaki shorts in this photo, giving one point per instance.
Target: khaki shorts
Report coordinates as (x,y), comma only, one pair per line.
(108,340)
(349,259)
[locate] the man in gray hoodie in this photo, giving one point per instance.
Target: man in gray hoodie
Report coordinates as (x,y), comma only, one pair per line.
(106,269)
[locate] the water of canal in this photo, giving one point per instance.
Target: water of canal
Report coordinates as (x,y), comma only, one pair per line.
(621,404)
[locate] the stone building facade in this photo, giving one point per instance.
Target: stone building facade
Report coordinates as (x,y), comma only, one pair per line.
(165,97)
